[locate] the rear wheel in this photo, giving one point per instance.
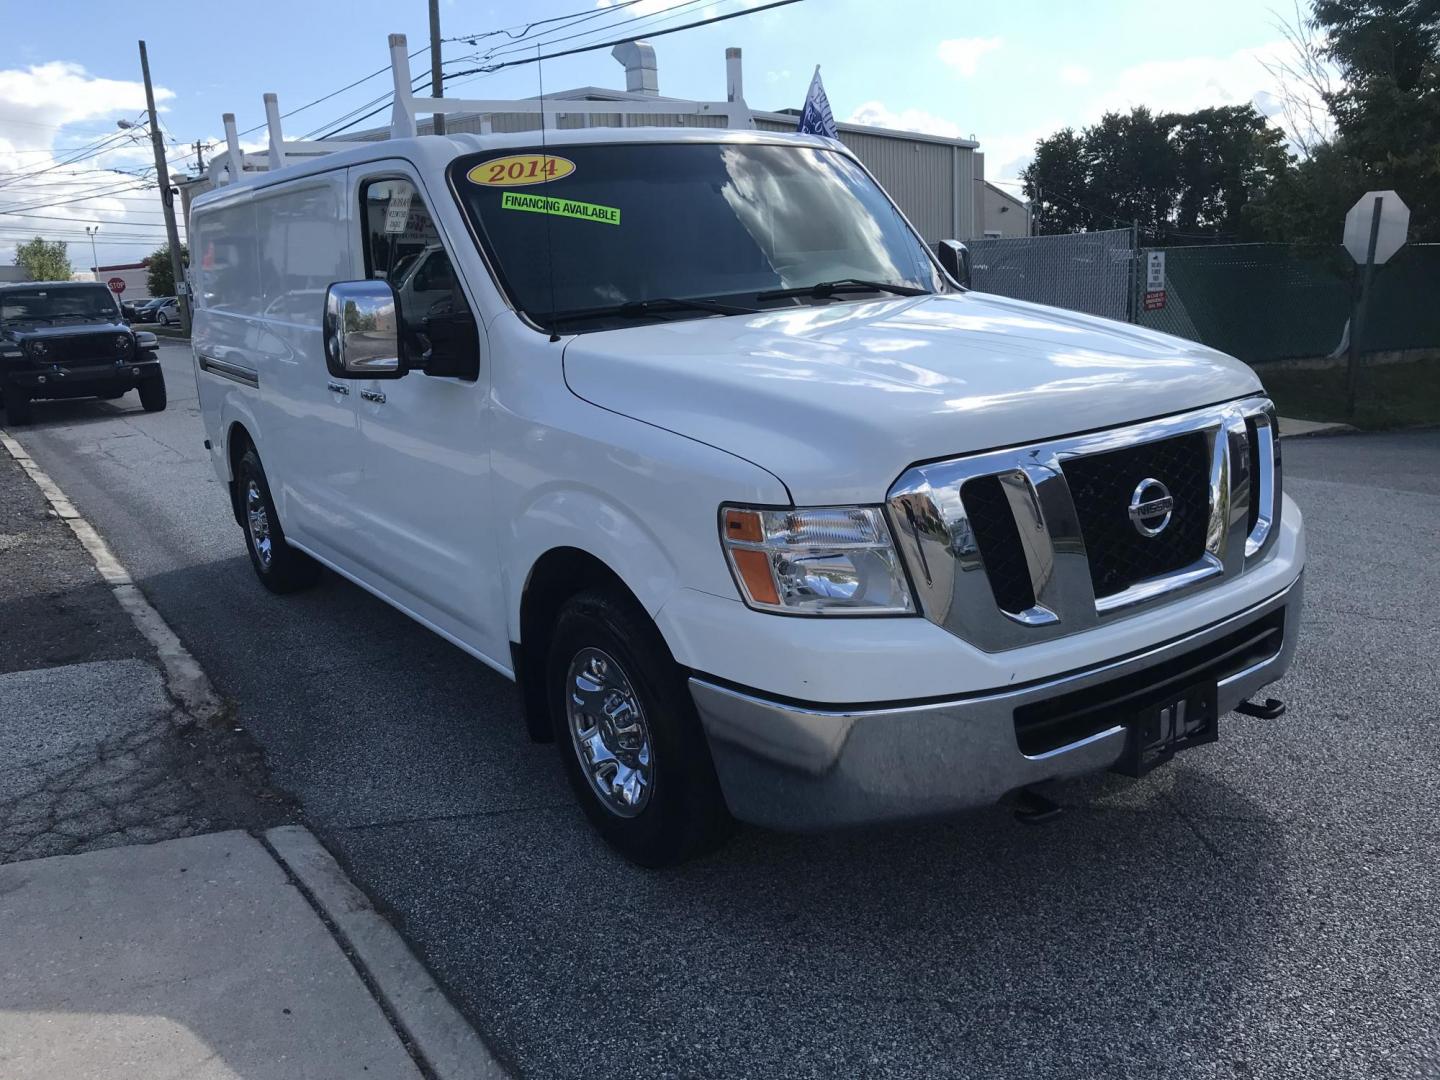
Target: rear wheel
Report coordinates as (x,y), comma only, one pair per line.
(152,394)
(628,733)
(280,567)
(17,407)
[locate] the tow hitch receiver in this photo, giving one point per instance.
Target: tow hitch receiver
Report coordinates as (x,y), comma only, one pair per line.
(1272,709)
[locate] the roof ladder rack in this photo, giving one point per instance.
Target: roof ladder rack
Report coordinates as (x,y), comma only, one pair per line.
(231,164)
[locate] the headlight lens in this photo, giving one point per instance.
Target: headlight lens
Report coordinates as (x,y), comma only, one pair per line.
(122,343)
(38,349)
(826,561)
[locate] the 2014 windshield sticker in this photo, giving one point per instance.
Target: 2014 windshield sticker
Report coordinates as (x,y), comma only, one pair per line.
(548,204)
(517,170)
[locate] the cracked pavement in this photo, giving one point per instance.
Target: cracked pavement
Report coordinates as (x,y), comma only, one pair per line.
(94,752)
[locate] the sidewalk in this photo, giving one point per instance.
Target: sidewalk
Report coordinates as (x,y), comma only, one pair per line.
(191,958)
(158,916)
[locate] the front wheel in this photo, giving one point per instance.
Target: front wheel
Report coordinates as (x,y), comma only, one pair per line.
(280,567)
(152,394)
(628,733)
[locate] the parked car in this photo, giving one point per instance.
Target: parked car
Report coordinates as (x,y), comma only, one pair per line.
(167,312)
(767,515)
(61,339)
(145,311)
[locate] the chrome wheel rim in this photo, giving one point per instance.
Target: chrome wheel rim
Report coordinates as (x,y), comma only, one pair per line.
(257,520)
(609,732)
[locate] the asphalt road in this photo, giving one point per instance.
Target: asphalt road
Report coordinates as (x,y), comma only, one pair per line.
(1266,907)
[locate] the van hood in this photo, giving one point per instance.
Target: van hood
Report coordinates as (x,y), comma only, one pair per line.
(838,400)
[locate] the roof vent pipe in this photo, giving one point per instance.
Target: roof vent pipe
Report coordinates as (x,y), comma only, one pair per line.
(641,75)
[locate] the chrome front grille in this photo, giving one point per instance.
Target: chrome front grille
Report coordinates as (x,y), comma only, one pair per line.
(1023,545)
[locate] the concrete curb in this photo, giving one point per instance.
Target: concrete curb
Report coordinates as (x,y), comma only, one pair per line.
(184,678)
(442,1038)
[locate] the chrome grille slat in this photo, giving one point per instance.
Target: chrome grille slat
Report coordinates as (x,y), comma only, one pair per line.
(939,543)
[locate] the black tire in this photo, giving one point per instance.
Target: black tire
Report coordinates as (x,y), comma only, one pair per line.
(684,814)
(280,567)
(152,394)
(17,407)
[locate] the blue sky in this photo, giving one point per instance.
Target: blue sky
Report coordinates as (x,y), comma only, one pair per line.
(1006,73)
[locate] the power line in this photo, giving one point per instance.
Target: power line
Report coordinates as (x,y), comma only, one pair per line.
(507,49)
(525,28)
(626,40)
(81,221)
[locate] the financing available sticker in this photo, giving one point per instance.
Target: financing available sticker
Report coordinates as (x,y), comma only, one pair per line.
(547,204)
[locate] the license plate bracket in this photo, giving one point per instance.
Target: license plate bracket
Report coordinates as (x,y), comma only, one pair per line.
(1180,720)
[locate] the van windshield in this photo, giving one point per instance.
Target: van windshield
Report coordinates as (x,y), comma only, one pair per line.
(91,302)
(580,232)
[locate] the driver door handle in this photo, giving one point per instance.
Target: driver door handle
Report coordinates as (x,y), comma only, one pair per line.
(373,395)
(338,387)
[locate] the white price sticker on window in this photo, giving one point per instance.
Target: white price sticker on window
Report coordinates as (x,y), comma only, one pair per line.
(397,211)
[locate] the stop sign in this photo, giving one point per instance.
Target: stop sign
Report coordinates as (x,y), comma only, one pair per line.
(1389,238)
(117,285)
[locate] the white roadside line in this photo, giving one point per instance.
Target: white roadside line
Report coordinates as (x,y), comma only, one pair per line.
(443,1040)
(184,678)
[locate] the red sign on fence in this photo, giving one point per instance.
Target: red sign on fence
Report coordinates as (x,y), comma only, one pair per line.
(1154,301)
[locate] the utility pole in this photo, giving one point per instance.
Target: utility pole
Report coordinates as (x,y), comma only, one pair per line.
(90,231)
(437,79)
(167,198)
(199,158)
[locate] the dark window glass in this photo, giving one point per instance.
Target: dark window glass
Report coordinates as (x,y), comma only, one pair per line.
(85,301)
(402,246)
(694,220)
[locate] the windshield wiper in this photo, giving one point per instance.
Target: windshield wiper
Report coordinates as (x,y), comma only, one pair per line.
(825,289)
(639,309)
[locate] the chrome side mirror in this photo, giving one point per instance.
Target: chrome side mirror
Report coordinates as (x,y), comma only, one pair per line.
(955,258)
(362,331)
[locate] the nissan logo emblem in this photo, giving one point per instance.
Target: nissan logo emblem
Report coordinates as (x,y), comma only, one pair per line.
(1151,507)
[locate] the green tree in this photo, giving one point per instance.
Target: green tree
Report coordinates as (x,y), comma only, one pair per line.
(44,260)
(1055,184)
(159,274)
(1228,160)
(1387,109)
(1132,169)
(1176,175)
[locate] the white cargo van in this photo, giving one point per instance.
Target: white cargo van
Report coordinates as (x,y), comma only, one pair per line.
(690,434)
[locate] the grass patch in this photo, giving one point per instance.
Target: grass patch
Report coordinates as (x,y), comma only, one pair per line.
(1388,395)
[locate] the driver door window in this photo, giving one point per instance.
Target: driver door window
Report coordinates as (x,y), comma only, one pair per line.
(403,246)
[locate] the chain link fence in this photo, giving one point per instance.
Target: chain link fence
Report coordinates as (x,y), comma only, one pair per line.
(1258,302)
(1090,272)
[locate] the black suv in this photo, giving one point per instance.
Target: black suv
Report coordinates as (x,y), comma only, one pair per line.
(64,339)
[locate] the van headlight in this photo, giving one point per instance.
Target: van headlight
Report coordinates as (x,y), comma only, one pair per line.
(833,560)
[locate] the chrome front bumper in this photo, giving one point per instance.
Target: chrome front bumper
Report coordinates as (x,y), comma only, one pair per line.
(795,767)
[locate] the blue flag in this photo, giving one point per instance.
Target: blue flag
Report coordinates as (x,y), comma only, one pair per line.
(817,119)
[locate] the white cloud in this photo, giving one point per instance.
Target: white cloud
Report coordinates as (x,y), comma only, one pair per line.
(37,177)
(1198,82)
(772,76)
(877,114)
(963,54)
(1075,75)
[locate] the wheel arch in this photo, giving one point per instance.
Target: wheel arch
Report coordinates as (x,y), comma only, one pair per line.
(553,578)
